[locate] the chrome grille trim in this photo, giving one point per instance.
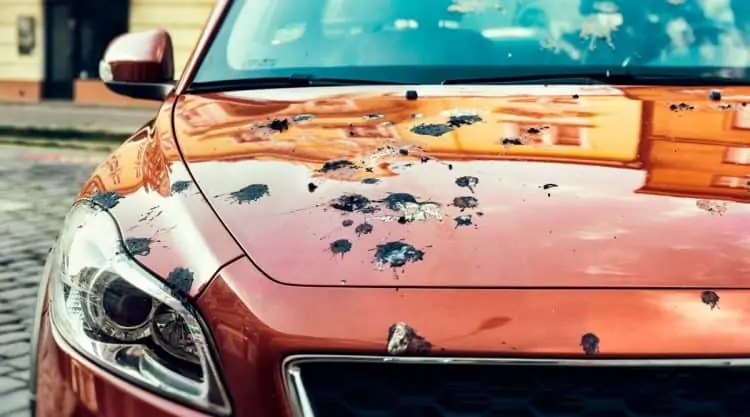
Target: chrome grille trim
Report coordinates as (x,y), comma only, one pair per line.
(301,407)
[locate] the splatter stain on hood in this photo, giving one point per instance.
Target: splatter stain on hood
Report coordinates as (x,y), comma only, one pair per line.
(396,255)
(590,344)
(341,246)
(179,187)
(463,221)
(180,280)
(249,194)
(432,129)
(106,200)
(465,202)
(364,229)
(397,201)
(467,182)
(353,203)
(138,246)
(710,298)
(338,164)
(404,340)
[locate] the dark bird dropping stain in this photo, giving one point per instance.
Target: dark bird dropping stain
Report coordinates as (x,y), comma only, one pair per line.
(463,120)
(431,129)
(467,182)
(363,229)
(463,221)
(353,203)
(370,181)
(303,117)
(107,199)
(512,141)
(396,254)
(397,201)
(180,187)
(548,187)
(250,193)
(710,298)
(347,222)
(138,246)
(403,339)
(590,344)
(279,125)
(180,280)
(465,202)
(336,165)
(341,247)
(311,187)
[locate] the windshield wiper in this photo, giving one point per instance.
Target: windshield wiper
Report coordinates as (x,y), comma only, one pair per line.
(606,77)
(291,81)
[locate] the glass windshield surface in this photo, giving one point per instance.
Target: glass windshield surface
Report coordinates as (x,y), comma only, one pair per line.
(413,40)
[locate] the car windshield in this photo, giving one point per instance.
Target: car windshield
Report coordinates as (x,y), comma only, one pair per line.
(421,41)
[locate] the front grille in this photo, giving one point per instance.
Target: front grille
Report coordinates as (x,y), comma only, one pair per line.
(382,389)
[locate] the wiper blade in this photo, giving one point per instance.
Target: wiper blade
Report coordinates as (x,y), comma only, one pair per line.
(608,78)
(291,81)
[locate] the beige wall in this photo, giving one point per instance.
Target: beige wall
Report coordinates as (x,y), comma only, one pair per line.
(21,76)
(13,66)
(184,19)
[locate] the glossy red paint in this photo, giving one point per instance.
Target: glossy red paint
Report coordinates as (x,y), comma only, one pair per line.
(70,386)
(140,57)
(160,201)
(603,190)
(256,323)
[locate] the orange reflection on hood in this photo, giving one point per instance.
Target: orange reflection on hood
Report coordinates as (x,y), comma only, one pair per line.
(362,127)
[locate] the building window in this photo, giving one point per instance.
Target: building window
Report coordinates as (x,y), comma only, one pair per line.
(741,119)
(729,181)
(560,135)
(98,22)
(737,155)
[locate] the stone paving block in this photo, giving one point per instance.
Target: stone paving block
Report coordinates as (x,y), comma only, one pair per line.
(10,328)
(29,225)
(14,349)
(19,413)
(13,402)
(20,375)
(8,319)
(12,337)
(8,384)
(17,293)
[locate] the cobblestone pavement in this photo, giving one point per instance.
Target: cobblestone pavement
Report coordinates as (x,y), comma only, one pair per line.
(37,186)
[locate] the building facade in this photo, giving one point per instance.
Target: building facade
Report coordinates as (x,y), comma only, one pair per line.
(50,49)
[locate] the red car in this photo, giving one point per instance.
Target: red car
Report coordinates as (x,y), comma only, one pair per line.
(370,208)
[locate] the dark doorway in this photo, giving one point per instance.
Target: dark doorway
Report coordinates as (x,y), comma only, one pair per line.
(77,33)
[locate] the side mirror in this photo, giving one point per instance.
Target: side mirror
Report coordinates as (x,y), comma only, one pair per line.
(139,65)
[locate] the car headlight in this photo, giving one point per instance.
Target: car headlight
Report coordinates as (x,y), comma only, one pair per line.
(122,318)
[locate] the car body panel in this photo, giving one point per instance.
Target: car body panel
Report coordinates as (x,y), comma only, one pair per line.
(165,222)
(256,323)
(578,186)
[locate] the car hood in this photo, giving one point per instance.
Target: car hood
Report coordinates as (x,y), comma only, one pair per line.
(488,186)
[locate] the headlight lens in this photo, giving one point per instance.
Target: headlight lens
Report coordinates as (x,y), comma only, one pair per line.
(122,318)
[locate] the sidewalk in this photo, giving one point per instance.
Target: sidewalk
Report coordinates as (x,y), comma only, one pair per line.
(69,120)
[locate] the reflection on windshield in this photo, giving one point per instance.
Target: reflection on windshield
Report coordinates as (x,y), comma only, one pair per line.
(261,35)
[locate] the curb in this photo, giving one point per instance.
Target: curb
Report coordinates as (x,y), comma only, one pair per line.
(61,134)
(90,145)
